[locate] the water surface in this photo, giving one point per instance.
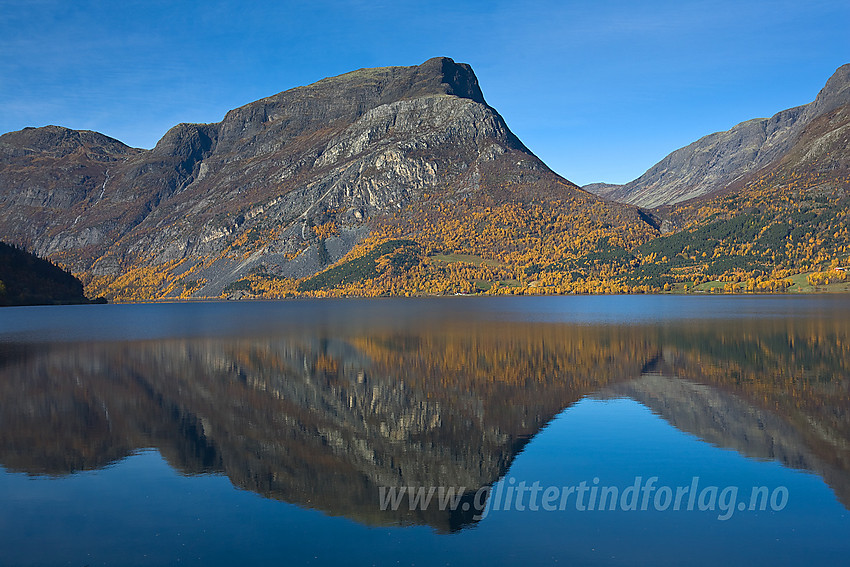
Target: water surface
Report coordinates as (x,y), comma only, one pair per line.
(266,432)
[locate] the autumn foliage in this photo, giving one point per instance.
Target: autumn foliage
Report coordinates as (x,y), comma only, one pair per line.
(756,240)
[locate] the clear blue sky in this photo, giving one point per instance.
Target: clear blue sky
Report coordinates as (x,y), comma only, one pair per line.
(600,90)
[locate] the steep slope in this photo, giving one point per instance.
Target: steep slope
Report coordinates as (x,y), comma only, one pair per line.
(284,186)
(715,161)
(823,146)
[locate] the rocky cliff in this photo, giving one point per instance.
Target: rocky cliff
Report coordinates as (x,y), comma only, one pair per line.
(718,160)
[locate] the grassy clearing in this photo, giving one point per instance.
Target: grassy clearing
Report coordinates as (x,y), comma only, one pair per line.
(466,259)
(484,285)
(801,285)
(708,286)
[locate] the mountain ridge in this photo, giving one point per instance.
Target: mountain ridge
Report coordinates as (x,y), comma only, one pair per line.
(718,160)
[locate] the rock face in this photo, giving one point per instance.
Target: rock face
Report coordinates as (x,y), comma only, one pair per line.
(718,160)
(226,197)
(823,145)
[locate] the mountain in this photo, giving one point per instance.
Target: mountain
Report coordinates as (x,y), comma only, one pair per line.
(782,227)
(28,280)
(283,186)
(404,181)
(719,160)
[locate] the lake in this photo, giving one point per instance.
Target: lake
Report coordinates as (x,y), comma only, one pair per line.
(603,430)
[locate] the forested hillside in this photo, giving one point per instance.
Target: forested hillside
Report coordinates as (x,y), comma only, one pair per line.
(28,280)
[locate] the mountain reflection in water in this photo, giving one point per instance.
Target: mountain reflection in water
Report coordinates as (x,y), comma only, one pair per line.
(322,418)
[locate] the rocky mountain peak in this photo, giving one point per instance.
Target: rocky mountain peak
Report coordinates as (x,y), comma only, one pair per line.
(444,75)
(438,75)
(835,93)
(344,98)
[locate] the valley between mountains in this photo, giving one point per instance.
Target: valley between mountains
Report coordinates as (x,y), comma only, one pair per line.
(404,181)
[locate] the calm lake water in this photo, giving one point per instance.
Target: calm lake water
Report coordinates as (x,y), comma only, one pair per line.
(655,430)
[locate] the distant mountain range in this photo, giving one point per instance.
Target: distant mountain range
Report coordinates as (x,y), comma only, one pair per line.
(717,161)
(403,180)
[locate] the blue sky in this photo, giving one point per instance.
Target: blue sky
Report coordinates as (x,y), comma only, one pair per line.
(600,90)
